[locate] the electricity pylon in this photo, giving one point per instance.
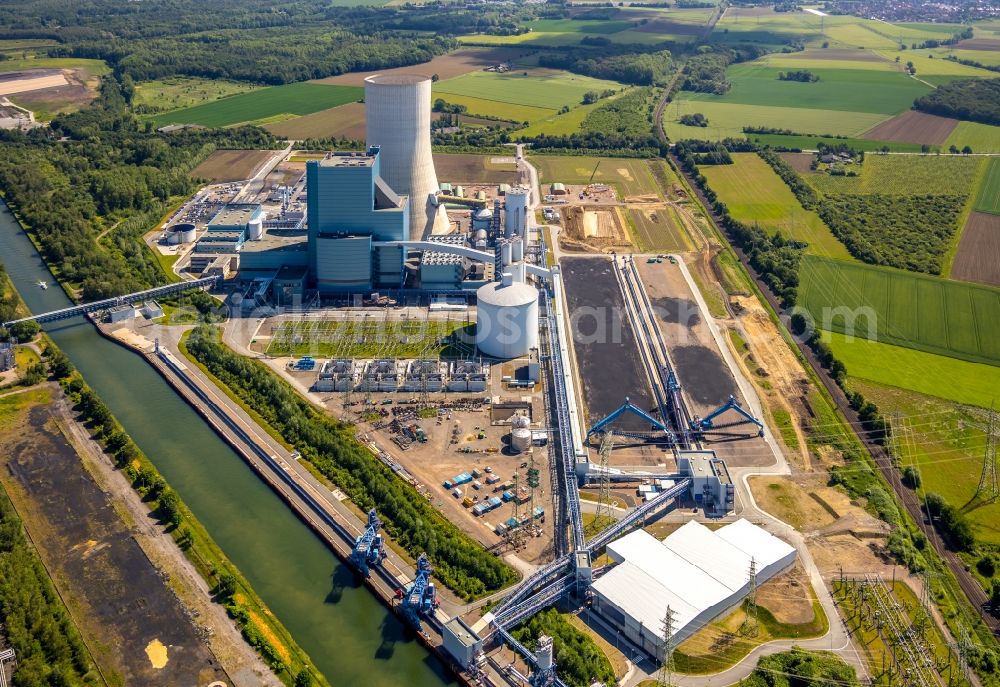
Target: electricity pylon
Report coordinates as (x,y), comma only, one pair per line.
(666,678)
(750,626)
(988,490)
(604,493)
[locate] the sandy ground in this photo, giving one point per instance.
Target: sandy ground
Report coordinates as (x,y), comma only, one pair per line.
(30,82)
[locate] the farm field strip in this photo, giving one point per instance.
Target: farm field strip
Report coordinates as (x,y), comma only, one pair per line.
(844,89)
(812,142)
(182,92)
(631,176)
(447,66)
(509,111)
(982,138)
(915,127)
(543,91)
(904,175)
(343,121)
(906,309)
(659,229)
(976,258)
(471,168)
(292,99)
(755,194)
(988,197)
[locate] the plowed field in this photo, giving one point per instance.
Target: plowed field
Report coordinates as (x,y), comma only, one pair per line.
(914,127)
(978,257)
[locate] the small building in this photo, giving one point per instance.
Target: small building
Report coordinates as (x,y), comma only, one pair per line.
(151,310)
(336,375)
(121,313)
(712,486)
(502,189)
(559,189)
(461,642)
(7,361)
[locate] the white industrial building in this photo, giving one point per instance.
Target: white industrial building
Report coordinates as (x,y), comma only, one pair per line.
(699,574)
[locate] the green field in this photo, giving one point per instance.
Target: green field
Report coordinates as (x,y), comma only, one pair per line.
(906,309)
(90,68)
(183,92)
(631,177)
(982,138)
(933,66)
(904,175)
(264,104)
(657,230)
(509,111)
(599,27)
(728,119)
(755,194)
(386,339)
(945,440)
(988,197)
(812,143)
(543,89)
(841,90)
(829,59)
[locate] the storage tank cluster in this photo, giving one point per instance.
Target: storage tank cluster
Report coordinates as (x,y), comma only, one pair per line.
(520,434)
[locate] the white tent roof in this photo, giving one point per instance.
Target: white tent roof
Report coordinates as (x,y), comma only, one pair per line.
(640,596)
(701,546)
(765,548)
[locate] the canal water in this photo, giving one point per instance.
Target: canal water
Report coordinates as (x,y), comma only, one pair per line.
(347,632)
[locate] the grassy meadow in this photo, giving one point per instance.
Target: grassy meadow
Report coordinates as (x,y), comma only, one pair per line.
(988,195)
(545,89)
(182,92)
(631,177)
(755,194)
(905,175)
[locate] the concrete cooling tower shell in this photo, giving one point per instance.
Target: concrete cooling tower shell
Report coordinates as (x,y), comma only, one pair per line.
(398,120)
(506,319)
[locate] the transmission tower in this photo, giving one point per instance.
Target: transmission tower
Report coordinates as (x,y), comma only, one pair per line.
(666,678)
(988,491)
(604,493)
(895,449)
(750,626)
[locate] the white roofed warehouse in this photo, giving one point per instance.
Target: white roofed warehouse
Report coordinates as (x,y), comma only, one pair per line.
(699,574)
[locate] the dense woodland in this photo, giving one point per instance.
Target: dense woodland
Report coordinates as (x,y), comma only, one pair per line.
(462,564)
(35,622)
(113,177)
(799,668)
(639,68)
(975,100)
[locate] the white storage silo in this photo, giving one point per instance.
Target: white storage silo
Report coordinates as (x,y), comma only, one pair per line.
(520,439)
(516,209)
(517,249)
(398,119)
(506,319)
(506,253)
(255,228)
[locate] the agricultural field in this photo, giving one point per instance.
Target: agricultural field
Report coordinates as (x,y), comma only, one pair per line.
(906,309)
(231,165)
(264,104)
(840,90)
(659,229)
(988,196)
(755,194)
(448,66)
(508,111)
(904,175)
(181,92)
(728,119)
(976,257)
(812,143)
(629,176)
(764,25)
(345,121)
(829,58)
(60,85)
(945,440)
(386,339)
(914,127)
(541,88)
(936,70)
(982,138)
(469,168)
(89,68)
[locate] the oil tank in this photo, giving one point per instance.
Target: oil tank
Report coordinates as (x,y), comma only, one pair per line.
(506,319)
(520,439)
(180,233)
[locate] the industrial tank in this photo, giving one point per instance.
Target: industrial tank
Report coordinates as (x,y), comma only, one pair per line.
(255,229)
(481,219)
(520,439)
(515,218)
(180,233)
(398,119)
(506,319)
(517,249)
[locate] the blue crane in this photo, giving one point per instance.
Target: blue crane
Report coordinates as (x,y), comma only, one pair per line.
(700,425)
(420,598)
(626,407)
(368,549)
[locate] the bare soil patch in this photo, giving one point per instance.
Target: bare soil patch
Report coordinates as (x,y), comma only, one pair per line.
(31,80)
(978,256)
(49,91)
(231,165)
(787,597)
(115,593)
(992,44)
(800,162)
(914,127)
(790,499)
(595,228)
(445,66)
(345,121)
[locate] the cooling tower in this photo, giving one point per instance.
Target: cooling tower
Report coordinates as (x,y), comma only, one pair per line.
(398,119)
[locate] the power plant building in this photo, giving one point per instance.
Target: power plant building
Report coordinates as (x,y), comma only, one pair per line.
(398,120)
(699,574)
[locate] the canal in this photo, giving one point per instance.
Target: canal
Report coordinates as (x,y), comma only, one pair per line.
(348,633)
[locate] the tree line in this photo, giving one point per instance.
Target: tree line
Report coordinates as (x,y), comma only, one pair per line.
(101,170)
(460,563)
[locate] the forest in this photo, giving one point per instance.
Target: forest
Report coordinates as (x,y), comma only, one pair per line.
(641,69)
(460,563)
(48,646)
(581,662)
(974,100)
(111,173)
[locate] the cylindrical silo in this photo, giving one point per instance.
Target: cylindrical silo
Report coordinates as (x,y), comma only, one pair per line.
(255,229)
(398,120)
(506,253)
(517,249)
(506,319)
(515,217)
(520,439)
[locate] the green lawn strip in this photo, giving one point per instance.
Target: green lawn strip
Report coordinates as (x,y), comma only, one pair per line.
(988,197)
(755,194)
(296,99)
(460,563)
(364,339)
